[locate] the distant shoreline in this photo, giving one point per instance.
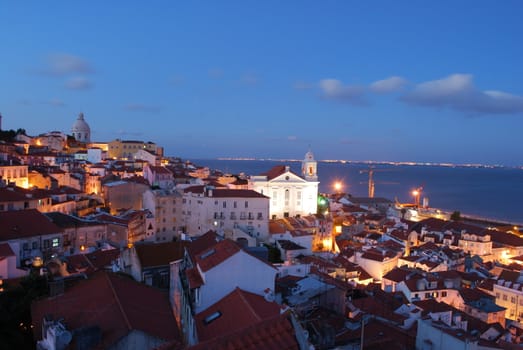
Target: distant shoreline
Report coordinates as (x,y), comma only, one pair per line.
(372,162)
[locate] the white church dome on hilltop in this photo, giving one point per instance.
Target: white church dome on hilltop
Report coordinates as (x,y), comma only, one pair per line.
(81,130)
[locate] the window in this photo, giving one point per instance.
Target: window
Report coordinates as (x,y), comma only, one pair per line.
(497,296)
(246,204)
(443,294)
(504,297)
(35,245)
(234,204)
(56,242)
(512,300)
(225,204)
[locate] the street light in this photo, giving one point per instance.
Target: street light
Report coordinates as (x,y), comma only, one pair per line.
(416,194)
(338,186)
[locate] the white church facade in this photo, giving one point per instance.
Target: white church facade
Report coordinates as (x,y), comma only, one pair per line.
(290,194)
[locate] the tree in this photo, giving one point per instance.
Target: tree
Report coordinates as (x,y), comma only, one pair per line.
(455,216)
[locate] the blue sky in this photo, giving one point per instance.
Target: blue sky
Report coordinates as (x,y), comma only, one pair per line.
(358,80)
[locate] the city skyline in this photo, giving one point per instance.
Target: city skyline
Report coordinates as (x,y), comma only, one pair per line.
(355,81)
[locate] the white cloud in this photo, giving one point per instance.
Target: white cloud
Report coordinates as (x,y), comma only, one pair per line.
(334,89)
(78,83)
(55,102)
(62,64)
(458,92)
(391,84)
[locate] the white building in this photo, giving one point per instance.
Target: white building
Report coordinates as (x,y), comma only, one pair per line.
(222,210)
(212,271)
(95,155)
(81,130)
(18,174)
(290,194)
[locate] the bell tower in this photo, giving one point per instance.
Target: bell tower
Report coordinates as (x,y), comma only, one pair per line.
(309,167)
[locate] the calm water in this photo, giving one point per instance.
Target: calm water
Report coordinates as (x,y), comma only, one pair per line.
(492,193)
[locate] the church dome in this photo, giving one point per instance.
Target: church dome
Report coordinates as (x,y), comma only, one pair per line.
(81,130)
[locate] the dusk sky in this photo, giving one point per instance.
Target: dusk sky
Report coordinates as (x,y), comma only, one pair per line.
(438,81)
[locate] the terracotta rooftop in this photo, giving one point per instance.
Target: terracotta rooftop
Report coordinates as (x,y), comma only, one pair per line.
(92,262)
(115,304)
(377,256)
(202,243)
(67,221)
(380,304)
(273,334)
(214,256)
(12,195)
(160,254)
(25,223)
(276,171)
(276,227)
(236,311)
(194,278)
(397,275)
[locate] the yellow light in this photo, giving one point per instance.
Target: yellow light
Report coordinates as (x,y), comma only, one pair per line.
(415,193)
(82,247)
(338,186)
(327,243)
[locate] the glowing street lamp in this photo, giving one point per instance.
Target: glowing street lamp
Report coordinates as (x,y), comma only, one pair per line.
(416,194)
(338,186)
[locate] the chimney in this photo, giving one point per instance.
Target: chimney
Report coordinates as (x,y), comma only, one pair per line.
(287,168)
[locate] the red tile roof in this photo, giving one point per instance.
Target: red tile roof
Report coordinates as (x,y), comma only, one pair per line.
(160,254)
(214,256)
(273,334)
(194,278)
(397,275)
(237,310)
(202,243)
(116,304)
(92,262)
(276,227)
(11,195)
(25,223)
(194,189)
(275,172)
